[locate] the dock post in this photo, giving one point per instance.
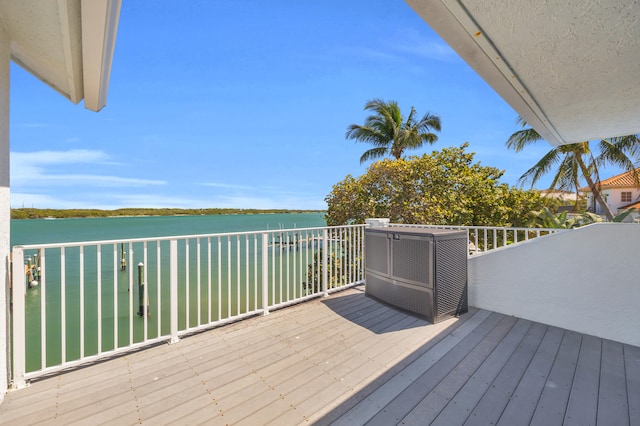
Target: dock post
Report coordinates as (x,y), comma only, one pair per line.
(123,258)
(141,285)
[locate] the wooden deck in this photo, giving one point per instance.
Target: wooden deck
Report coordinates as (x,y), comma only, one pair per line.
(350,360)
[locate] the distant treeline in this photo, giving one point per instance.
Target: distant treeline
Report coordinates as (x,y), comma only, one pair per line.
(26,213)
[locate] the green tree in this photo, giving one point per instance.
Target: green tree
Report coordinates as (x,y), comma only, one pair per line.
(390,133)
(443,188)
(575,161)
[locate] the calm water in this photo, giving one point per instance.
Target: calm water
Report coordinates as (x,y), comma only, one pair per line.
(115,287)
(42,231)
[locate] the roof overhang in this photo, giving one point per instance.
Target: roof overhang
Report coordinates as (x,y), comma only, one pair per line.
(68,44)
(570,68)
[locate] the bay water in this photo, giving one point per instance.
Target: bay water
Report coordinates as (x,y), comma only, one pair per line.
(41,231)
(114,292)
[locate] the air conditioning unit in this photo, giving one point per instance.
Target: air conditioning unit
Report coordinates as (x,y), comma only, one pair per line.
(420,270)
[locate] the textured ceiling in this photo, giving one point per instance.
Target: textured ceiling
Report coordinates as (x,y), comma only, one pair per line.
(45,40)
(570,68)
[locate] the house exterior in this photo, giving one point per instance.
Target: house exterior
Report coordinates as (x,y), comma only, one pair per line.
(621,192)
(539,56)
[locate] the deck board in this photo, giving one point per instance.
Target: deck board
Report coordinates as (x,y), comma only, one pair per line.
(612,396)
(524,400)
(583,400)
(468,396)
(552,405)
(495,399)
(349,359)
(632,367)
(411,396)
(436,401)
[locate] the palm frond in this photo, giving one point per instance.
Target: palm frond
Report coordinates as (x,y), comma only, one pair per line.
(522,138)
(541,168)
(620,151)
(373,154)
(366,134)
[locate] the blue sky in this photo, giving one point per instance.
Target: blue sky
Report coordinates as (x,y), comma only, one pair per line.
(245,104)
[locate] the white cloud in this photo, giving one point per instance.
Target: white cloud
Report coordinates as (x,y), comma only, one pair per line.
(29,169)
(20,159)
(227,185)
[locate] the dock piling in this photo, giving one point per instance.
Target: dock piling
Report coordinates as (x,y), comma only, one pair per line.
(141,284)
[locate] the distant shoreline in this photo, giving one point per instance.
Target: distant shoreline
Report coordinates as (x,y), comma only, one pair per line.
(30,213)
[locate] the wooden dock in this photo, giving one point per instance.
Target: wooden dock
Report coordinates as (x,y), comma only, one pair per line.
(350,360)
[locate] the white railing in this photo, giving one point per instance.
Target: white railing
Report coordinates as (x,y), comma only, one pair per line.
(486,238)
(76,302)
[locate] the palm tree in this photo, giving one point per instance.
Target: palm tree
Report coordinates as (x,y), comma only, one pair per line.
(577,160)
(388,131)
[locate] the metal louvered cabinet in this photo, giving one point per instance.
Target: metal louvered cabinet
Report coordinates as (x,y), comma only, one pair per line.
(420,270)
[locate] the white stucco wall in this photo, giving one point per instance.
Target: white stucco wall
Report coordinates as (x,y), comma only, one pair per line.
(5,212)
(586,280)
(613,196)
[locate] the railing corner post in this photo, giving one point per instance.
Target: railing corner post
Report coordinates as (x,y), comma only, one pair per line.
(19,292)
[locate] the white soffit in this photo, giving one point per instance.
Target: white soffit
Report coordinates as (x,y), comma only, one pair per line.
(99,29)
(570,68)
(68,44)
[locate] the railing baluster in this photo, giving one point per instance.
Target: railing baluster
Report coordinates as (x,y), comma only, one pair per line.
(265,273)
(115,295)
(247,261)
(255,272)
(43,307)
(209,274)
(63,307)
(186,282)
(131,281)
(145,294)
(295,245)
(219,278)
(81,284)
(99,290)
(287,251)
(325,262)
(238,277)
(486,239)
(495,238)
(173,289)
(159,286)
(230,312)
(199,273)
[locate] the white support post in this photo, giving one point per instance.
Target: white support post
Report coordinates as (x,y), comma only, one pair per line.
(5,211)
(325,261)
(173,289)
(19,328)
(265,273)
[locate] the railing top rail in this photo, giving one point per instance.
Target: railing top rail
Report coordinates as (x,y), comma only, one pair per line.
(480,227)
(177,237)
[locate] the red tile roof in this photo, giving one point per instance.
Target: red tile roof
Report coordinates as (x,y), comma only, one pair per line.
(623,180)
(635,205)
